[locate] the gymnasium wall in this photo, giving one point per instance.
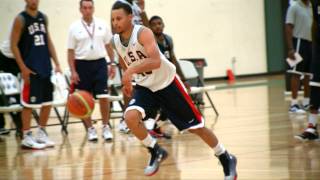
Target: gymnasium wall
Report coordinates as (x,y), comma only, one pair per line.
(217,30)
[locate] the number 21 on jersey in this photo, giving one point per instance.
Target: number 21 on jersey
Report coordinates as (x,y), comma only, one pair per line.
(39,40)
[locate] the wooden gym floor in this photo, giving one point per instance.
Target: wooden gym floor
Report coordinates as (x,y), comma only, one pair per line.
(253,124)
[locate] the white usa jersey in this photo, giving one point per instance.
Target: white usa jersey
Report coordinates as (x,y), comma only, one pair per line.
(134,54)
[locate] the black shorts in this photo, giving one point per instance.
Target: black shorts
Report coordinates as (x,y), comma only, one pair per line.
(173,100)
(305,50)
(315,65)
(93,76)
(8,65)
(39,92)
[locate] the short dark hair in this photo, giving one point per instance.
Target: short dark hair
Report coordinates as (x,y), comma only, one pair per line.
(120,5)
(80,3)
(154,18)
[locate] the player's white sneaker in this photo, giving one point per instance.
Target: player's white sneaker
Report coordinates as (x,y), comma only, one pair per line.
(296,109)
(42,137)
(123,127)
(92,134)
(106,133)
(30,143)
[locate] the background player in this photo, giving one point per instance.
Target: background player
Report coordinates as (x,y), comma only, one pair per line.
(310,132)
(298,34)
(32,48)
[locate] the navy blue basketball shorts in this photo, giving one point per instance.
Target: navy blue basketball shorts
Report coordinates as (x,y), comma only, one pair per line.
(315,80)
(315,65)
(38,93)
(304,48)
(173,100)
(93,76)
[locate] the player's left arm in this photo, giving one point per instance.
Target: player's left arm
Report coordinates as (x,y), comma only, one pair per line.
(146,38)
(110,53)
(52,50)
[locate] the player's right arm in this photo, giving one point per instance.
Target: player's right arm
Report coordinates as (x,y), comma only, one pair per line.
(14,40)
(71,61)
(290,19)
(71,57)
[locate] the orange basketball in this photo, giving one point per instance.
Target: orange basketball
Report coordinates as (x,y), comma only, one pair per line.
(80,104)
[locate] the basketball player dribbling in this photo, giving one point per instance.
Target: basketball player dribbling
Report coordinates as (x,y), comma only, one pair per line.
(157,87)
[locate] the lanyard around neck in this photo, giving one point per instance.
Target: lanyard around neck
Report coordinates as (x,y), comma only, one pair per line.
(91,35)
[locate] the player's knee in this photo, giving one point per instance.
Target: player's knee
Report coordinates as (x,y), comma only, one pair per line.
(132,117)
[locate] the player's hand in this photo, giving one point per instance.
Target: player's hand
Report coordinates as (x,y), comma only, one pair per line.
(75,77)
(111,71)
(126,82)
(25,73)
(291,54)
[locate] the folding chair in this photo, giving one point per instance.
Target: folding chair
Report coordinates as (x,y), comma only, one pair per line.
(190,72)
(9,86)
(114,86)
(9,95)
(60,97)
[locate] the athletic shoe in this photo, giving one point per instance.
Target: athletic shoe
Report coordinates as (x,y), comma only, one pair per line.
(42,137)
(309,134)
(4,131)
(296,109)
(158,154)
(229,164)
(123,127)
(92,134)
(306,107)
(106,133)
(30,143)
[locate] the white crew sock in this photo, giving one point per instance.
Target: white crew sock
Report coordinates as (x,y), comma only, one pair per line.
(149,141)
(313,119)
(219,149)
(294,101)
(306,101)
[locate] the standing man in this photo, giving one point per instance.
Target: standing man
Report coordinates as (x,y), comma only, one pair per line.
(157,86)
(310,132)
(88,45)
(298,35)
(32,48)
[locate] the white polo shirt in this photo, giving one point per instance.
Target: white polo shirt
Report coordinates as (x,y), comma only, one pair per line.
(88,41)
(300,16)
